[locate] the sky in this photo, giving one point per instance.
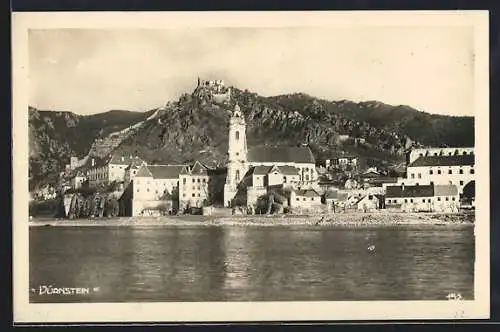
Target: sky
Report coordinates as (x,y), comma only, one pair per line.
(91,71)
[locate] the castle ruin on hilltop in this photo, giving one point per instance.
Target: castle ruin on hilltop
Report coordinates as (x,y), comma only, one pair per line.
(213,90)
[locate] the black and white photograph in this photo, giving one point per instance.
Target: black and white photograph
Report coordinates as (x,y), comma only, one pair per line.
(250,166)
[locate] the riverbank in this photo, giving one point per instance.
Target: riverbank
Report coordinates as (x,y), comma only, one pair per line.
(331,220)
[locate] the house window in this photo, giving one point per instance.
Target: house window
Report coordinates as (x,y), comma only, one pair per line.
(198,194)
(298,199)
(237,134)
(432,183)
(156,191)
(446,199)
(461,171)
(312,198)
(429,200)
(192,194)
(147,190)
(450,172)
(237,177)
(199,180)
(284,179)
(461,183)
(406,201)
(198,187)
(194,188)
(423,200)
(184,181)
(184,195)
(453,198)
(412,175)
(307,177)
(435,154)
(194,180)
(420,154)
(411,200)
(439,171)
(419,175)
(304,199)
(464,153)
(137,189)
(439,198)
(472,171)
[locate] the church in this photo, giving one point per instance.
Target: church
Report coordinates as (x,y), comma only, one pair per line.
(264,167)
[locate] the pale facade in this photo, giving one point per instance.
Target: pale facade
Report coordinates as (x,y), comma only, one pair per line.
(298,162)
(305,199)
(426,152)
(442,170)
(193,186)
(110,169)
(426,198)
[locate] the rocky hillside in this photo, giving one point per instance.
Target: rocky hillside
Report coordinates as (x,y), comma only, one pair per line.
(196,127)
(55,136)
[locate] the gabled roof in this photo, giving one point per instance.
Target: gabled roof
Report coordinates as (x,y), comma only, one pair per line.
(409,191)
(144,172)
(118,159)
(458,160)
(335,194)
(288,170)
(198,169)
(445,190)
(281,154)
(307,193)
(260,170)
(165,171)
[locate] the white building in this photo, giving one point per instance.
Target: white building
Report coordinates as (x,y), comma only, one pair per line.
(442,170)
(154,187)
(435,152)
(193,186)
(423,198)
(78,180)
(241,159)
(305,199)
(107,170)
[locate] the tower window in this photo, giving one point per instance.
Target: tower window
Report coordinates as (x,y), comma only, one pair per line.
(237,177)
(237,134)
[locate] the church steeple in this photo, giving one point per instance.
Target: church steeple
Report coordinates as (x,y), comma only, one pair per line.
(237,154)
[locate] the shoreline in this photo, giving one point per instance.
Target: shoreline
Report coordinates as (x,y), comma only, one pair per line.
(329,220)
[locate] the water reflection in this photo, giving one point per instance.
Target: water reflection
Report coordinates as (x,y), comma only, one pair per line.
(252,264)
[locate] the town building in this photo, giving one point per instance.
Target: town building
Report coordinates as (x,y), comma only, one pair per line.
(154,188)
(342,161)
(289,165)
(78,180)
(370,202)
(457,169)
(423,198)
(414,154)
(109,169)
(305,199)
(193,186)
(335,198)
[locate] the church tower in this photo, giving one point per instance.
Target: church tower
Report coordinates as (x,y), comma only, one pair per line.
(237,155)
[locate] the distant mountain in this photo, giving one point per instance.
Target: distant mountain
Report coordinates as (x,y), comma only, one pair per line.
(196,127)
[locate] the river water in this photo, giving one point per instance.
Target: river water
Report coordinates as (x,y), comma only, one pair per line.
(132,264)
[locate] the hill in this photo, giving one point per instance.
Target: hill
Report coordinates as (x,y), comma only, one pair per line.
(55,136)
(196,127)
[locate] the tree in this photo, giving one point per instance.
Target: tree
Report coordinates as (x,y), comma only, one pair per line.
(112,207)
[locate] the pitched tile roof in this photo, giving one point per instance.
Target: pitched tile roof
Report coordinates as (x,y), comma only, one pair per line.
(445,190)
(288,170)
(199,169)
(458,160)
(261,170)
(307,192)
(409,191)
(286,154)
(335,194)
(165,171)
(144,172)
